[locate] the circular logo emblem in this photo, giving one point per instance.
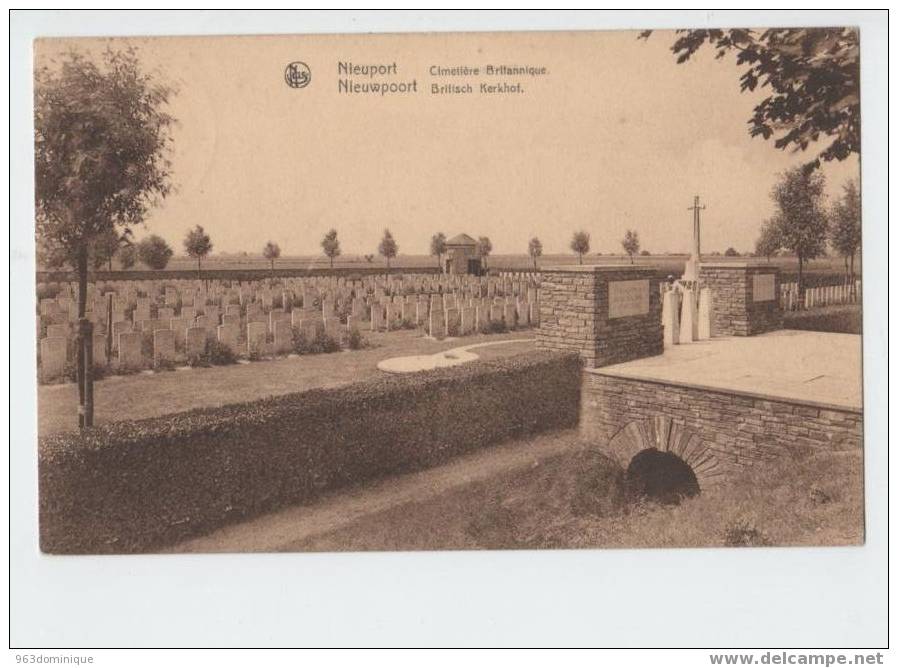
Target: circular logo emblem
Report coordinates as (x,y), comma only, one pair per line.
(297,75)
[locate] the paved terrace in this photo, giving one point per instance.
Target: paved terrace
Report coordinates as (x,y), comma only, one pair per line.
(813,368)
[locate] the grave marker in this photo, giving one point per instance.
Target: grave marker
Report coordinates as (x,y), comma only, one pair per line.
(53,357)
(163,346)
(196,341)
(256,334)
(130,354)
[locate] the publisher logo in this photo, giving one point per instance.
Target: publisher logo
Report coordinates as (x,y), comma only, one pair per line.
(297,75)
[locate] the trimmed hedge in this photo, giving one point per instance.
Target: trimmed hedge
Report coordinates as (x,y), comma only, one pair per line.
(137,485)
(841,319)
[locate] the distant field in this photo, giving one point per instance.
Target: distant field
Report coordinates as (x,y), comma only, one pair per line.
(825,271)
(672,263)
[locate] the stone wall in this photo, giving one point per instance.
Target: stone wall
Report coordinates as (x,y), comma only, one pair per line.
(574,314)
(735,312)
(738,429)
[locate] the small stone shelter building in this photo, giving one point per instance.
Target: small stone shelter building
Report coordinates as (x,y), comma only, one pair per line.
(463,256)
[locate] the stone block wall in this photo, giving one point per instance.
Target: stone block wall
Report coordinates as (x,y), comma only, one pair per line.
(739,429)
(735,313)
(574,314)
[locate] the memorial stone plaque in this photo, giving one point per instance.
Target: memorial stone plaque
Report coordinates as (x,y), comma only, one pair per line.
(628,298)
(763,288)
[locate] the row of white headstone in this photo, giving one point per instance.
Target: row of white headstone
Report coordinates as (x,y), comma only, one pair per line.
(824,295)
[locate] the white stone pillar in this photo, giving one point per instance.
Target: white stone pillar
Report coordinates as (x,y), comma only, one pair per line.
(687,318)
(705,306)
(670,317)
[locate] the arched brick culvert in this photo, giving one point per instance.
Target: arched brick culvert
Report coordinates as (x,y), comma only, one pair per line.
(666,436)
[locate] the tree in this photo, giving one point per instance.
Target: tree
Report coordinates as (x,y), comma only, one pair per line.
(731,252)
(485,247)
(104,247)
(845,226)
(535,249)
(814,76)
(127,256)
(388,247)
(271,252)
(198,245)
(331,245)
(154,252)
(801,219)
(769,241)
(580,243)
(438,247)
(101,144)
(630,243)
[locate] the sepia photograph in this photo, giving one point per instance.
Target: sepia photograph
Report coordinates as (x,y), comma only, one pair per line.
(466,291)
(253,338)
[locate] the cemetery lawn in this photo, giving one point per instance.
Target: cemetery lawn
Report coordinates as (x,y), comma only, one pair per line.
(150,395)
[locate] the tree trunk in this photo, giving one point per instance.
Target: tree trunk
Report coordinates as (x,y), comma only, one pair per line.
(800,277)
(580,257)
(82,281)
(331,258)
(84,346)
(108,327)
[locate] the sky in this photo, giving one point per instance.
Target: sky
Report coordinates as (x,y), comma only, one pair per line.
(614,136)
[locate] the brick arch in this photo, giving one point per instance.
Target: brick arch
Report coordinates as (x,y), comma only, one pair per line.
(662,433)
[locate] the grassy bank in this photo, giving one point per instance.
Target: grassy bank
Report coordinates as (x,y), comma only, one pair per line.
(580,500)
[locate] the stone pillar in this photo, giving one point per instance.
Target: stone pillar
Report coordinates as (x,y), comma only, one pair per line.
(688,317)
(606,313)
(745,297)
(670,317)
(705,314)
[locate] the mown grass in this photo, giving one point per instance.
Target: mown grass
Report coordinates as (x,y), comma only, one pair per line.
(142,396)
(580,500)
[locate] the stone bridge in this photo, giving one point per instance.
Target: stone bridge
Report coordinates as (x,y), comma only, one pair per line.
(751,393)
